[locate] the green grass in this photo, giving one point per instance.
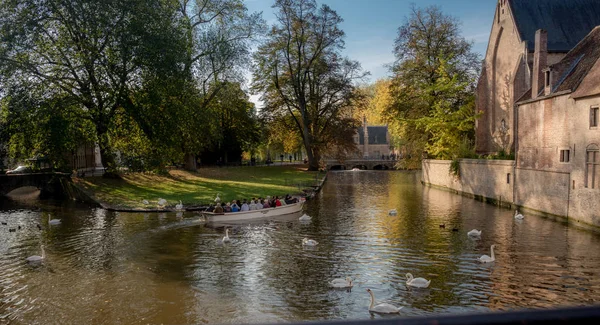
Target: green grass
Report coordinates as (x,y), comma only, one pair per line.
(198,188)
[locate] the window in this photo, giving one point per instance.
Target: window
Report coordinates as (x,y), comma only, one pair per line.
(594,117)
(547,75)
(508,178)
(592,169)
(565,156)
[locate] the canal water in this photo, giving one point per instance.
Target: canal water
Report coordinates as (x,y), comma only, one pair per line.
(104,267)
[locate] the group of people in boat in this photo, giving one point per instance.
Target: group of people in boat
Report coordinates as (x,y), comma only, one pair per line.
(253,204)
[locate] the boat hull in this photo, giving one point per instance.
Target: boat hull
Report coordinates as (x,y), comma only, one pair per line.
(254,214)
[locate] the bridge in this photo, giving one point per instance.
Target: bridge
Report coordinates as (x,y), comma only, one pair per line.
(46,182)
(364,164)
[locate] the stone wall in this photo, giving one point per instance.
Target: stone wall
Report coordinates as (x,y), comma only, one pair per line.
(553,193)
(543,191)
(489,180)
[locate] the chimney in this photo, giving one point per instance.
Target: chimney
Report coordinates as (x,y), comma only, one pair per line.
(539,62)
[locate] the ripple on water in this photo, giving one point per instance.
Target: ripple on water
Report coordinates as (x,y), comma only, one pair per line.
(106,268)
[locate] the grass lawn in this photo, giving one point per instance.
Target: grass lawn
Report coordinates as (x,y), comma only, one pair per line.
(198,188)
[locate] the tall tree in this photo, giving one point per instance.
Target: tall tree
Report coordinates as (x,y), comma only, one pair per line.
(429,46)
(94,52)
(218,35)
(301,73)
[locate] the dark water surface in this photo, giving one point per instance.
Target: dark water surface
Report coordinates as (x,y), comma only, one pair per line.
(121,268)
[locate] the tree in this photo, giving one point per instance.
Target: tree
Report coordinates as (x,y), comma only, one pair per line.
(451,120)
(217,37)
(429,47)
(93,52)
(301,73)
(236,127)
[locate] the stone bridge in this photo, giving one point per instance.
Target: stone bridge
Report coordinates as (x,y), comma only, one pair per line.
(364,164)
(44,181)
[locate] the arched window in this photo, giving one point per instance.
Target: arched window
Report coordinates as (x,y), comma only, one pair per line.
(592,166)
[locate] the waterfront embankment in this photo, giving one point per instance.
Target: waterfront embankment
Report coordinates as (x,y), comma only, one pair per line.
(197,189)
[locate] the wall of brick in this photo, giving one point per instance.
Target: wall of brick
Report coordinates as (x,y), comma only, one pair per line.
(483,178)
(543,191)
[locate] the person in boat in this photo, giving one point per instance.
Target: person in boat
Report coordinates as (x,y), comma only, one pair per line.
(258,204)
(245,206)
(218,208)
(234,206)
(277,201)
(227,207)
(265,204)
(289,199)
(210,208)
(252,205)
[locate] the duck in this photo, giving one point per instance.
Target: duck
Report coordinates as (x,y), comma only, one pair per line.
(474,232)
(179,206)
(54,221)
(162,202)
(226,239)
(4,223)
(416,282)
(518,216)
(347,284)
(393,212)
(305,217)
(309,242)
(486,259)
(443,225)
(455,229)
(144,201)
(382,308)
(36,258)
(217,199)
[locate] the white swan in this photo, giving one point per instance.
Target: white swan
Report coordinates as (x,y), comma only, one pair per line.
(486,259)
(519,216)
(162,202)
(382,308)
(347,284)
(54,221)
(36,258)
(393,212)
(340,280)
(305,217)
(217,199)
(416,282)
(309,242)
(179,206)
(226,239)
(474,232)
(145,202)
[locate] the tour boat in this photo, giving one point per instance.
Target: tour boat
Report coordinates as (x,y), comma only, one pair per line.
(254,214)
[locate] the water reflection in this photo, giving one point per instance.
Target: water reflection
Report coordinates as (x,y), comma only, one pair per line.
(106,267)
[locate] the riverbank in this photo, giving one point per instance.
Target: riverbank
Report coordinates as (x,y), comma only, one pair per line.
(197,189)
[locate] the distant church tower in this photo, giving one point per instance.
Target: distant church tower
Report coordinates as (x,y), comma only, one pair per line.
(366,137)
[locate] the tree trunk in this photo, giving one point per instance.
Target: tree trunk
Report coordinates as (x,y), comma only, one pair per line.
(106,154)
(190,162)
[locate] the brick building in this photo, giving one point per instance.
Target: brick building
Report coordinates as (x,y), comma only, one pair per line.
(372,141)
(509,61)
(558,139)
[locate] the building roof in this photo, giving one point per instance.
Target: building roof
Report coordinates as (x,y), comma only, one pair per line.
(567,21)
(377,135)
(571,70)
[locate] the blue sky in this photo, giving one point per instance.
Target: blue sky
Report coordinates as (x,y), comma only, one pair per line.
(371,25)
